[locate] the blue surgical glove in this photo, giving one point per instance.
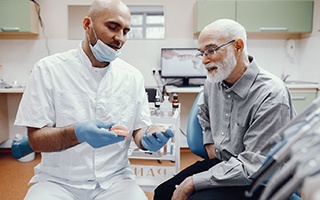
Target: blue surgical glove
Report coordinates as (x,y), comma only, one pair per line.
(96,133)
(154,141)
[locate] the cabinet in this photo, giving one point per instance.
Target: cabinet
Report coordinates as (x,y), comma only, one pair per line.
(258,16)
(301,99)
(275,16)
(209,11)
(166,161)
(18,17)
(9,103)
(4,124)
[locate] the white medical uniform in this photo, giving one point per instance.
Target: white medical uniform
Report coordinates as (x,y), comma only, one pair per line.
(65,89)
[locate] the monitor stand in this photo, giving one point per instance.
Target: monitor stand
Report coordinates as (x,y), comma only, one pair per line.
(185,83)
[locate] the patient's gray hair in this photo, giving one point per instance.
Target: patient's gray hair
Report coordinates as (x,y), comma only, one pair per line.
(230,30)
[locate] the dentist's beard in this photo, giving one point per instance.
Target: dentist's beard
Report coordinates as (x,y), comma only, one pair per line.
(224,68)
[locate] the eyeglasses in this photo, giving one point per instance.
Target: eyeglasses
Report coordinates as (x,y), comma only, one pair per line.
(212,51)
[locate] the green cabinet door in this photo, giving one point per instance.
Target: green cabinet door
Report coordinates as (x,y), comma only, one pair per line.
(302,99)
(275,16)
(208,11)
(15,16)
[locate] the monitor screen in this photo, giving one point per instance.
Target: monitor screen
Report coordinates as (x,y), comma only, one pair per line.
(181,63)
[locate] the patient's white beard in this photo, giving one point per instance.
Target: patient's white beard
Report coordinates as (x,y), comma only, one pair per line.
(224,68)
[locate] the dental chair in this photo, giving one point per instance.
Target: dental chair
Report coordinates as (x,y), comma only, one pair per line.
(195,135)
(194,131)
(21,150)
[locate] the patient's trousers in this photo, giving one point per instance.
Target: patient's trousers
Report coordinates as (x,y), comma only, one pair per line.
(165,190)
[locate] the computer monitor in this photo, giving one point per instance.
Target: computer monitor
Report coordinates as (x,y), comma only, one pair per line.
(181,63)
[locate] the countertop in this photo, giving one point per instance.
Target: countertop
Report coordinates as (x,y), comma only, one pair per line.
(304,86)
(170,89)
(294,84)
(290,85)
(11,90)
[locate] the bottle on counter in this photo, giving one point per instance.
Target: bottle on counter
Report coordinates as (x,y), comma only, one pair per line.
(157,101)
(166,106)
(175,101)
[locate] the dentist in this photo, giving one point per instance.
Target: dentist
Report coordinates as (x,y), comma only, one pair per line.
(70,106)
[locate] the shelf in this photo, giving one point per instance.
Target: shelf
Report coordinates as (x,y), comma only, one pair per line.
(166,161)
(148,156)
(165,153)
(172,89)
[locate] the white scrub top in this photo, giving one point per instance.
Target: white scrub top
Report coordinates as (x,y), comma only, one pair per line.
(64,89)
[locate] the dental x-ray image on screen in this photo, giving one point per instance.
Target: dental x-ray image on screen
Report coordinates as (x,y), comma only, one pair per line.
(181,63)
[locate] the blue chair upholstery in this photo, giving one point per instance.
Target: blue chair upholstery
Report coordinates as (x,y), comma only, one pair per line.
(194,131)
(294,196)
(21,148)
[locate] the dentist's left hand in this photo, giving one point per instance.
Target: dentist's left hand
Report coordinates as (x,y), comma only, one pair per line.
(96,133)
(154,141)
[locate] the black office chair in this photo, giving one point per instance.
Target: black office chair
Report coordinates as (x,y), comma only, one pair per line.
(151,94)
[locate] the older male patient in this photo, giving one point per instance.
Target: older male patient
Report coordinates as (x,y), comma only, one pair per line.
(242,106)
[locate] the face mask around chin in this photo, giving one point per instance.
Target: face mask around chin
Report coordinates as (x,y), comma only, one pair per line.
(104,53)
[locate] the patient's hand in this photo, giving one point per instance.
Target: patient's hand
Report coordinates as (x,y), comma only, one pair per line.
(184,190)
(210,151)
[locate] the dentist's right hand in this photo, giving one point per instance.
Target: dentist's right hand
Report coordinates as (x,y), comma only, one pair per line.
(96,133)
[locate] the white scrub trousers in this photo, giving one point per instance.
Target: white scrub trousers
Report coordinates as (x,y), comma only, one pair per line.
(124,189)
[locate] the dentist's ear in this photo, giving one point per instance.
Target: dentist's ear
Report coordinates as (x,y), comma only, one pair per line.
(86,23)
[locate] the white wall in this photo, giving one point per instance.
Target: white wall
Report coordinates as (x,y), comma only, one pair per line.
(20,55)
(17,57)
(309,59)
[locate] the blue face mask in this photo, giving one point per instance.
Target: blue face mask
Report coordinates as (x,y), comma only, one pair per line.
(102,52)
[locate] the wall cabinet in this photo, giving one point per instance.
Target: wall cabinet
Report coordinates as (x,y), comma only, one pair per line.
(275,16)
(18,17)
(258,16)
(209,11)
(301,99)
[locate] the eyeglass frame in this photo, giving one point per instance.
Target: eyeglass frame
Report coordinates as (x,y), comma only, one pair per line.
(212,51)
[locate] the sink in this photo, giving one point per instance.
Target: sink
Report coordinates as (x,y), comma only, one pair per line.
(292,82)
